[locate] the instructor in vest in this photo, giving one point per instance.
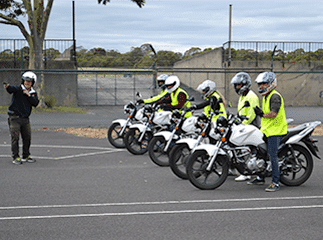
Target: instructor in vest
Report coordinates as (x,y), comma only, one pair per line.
(273,124)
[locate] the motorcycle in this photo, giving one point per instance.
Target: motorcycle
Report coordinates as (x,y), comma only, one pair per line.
(119,127)
(180,154)
(139,135)
(163,141)
(243,147)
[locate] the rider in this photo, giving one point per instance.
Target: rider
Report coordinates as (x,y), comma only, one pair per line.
(178,97)
(242,82)
(160,81)
(273,124)
(209,92)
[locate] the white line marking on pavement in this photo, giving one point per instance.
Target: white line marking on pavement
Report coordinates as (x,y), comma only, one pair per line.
(161,203)
(162,212)
(107,150)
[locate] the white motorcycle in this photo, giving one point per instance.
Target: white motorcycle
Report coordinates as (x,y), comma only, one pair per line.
(243,147)
(163,141)
(139,135)
(119,127)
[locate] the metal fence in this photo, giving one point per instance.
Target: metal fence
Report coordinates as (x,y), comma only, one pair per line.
(308,51)
(99,88)
(17,50)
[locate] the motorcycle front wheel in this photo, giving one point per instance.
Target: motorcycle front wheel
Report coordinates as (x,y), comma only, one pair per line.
(202,178)
(133,144)
(297,165)
(178,158)
(114,136)
(157,153)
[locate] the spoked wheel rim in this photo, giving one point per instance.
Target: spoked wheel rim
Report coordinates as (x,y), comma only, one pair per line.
(178,160)
(157,153)
(114,136)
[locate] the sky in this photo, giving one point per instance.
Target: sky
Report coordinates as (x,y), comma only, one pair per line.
(178,25)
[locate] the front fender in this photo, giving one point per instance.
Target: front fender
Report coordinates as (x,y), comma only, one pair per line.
(210,149)
(165,134)
(189,141)
(122,122)
(140,127)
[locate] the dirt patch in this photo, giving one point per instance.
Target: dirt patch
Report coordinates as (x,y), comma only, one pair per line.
(101,133)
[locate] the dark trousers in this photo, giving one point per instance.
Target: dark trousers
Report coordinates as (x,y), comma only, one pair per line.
(17,126)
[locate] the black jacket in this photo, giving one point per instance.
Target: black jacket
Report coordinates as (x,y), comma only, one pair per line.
(21,104)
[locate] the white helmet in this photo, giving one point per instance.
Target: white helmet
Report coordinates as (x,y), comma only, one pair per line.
(161,78)
(266,77)
(207,88)
(172,81)
(241,78)
(29,76)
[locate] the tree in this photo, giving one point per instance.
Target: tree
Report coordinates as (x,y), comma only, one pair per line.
(140,3)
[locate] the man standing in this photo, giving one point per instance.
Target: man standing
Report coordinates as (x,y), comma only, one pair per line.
(273,124)
(24,97)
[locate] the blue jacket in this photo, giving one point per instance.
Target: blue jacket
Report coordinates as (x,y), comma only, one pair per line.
(21,104)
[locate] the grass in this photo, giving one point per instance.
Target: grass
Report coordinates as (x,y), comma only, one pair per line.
(4,110)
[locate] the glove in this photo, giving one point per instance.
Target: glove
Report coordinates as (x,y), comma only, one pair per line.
(191,108)
(258,111)
(140,101)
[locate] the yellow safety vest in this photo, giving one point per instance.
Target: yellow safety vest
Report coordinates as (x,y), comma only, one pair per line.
(174,101)
(252,98)
(207,109)
(277,125)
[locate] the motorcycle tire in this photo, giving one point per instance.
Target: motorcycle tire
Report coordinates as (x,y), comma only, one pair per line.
(133,145)
(114,137)
(178,158)
(157,153)
(203,179)
(295,173)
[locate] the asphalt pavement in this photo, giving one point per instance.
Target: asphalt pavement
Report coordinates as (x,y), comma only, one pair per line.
(82,188)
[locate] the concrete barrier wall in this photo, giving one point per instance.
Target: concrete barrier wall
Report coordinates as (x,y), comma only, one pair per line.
(298,89)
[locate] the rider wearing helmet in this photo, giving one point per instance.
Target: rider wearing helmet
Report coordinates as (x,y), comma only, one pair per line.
(24,97)
(178,97)
(211,95)
(273,124)
(163,93)
(242,82)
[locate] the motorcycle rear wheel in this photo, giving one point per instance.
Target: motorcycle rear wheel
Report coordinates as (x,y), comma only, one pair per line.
(114,136)
(178,158)
(203,179)
(295,173)
(132,143)
(157,153)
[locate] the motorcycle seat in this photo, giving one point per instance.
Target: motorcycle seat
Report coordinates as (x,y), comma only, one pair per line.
(292,131)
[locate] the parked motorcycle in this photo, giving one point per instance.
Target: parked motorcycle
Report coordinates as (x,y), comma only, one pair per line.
(139,135)
(163,141)
(119,127)
(243,146)
(180,154)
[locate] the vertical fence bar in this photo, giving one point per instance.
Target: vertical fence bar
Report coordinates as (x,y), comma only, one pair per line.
(115,89)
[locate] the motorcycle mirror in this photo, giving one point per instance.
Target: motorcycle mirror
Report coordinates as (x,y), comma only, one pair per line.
(246,104)
(138,94)
(220,100)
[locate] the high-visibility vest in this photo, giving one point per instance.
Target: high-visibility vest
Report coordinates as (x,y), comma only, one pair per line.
(156,98)
(277,125)
(249,112)
(207,109)
(174,101)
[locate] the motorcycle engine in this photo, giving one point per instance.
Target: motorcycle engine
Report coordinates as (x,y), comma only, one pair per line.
(254,164)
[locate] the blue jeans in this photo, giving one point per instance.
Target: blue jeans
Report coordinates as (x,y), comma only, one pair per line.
(273,144)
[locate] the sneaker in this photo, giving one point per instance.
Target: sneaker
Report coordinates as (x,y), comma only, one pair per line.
(256,181)
(272,188)
(242,178)
(28,159)
(17,161)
